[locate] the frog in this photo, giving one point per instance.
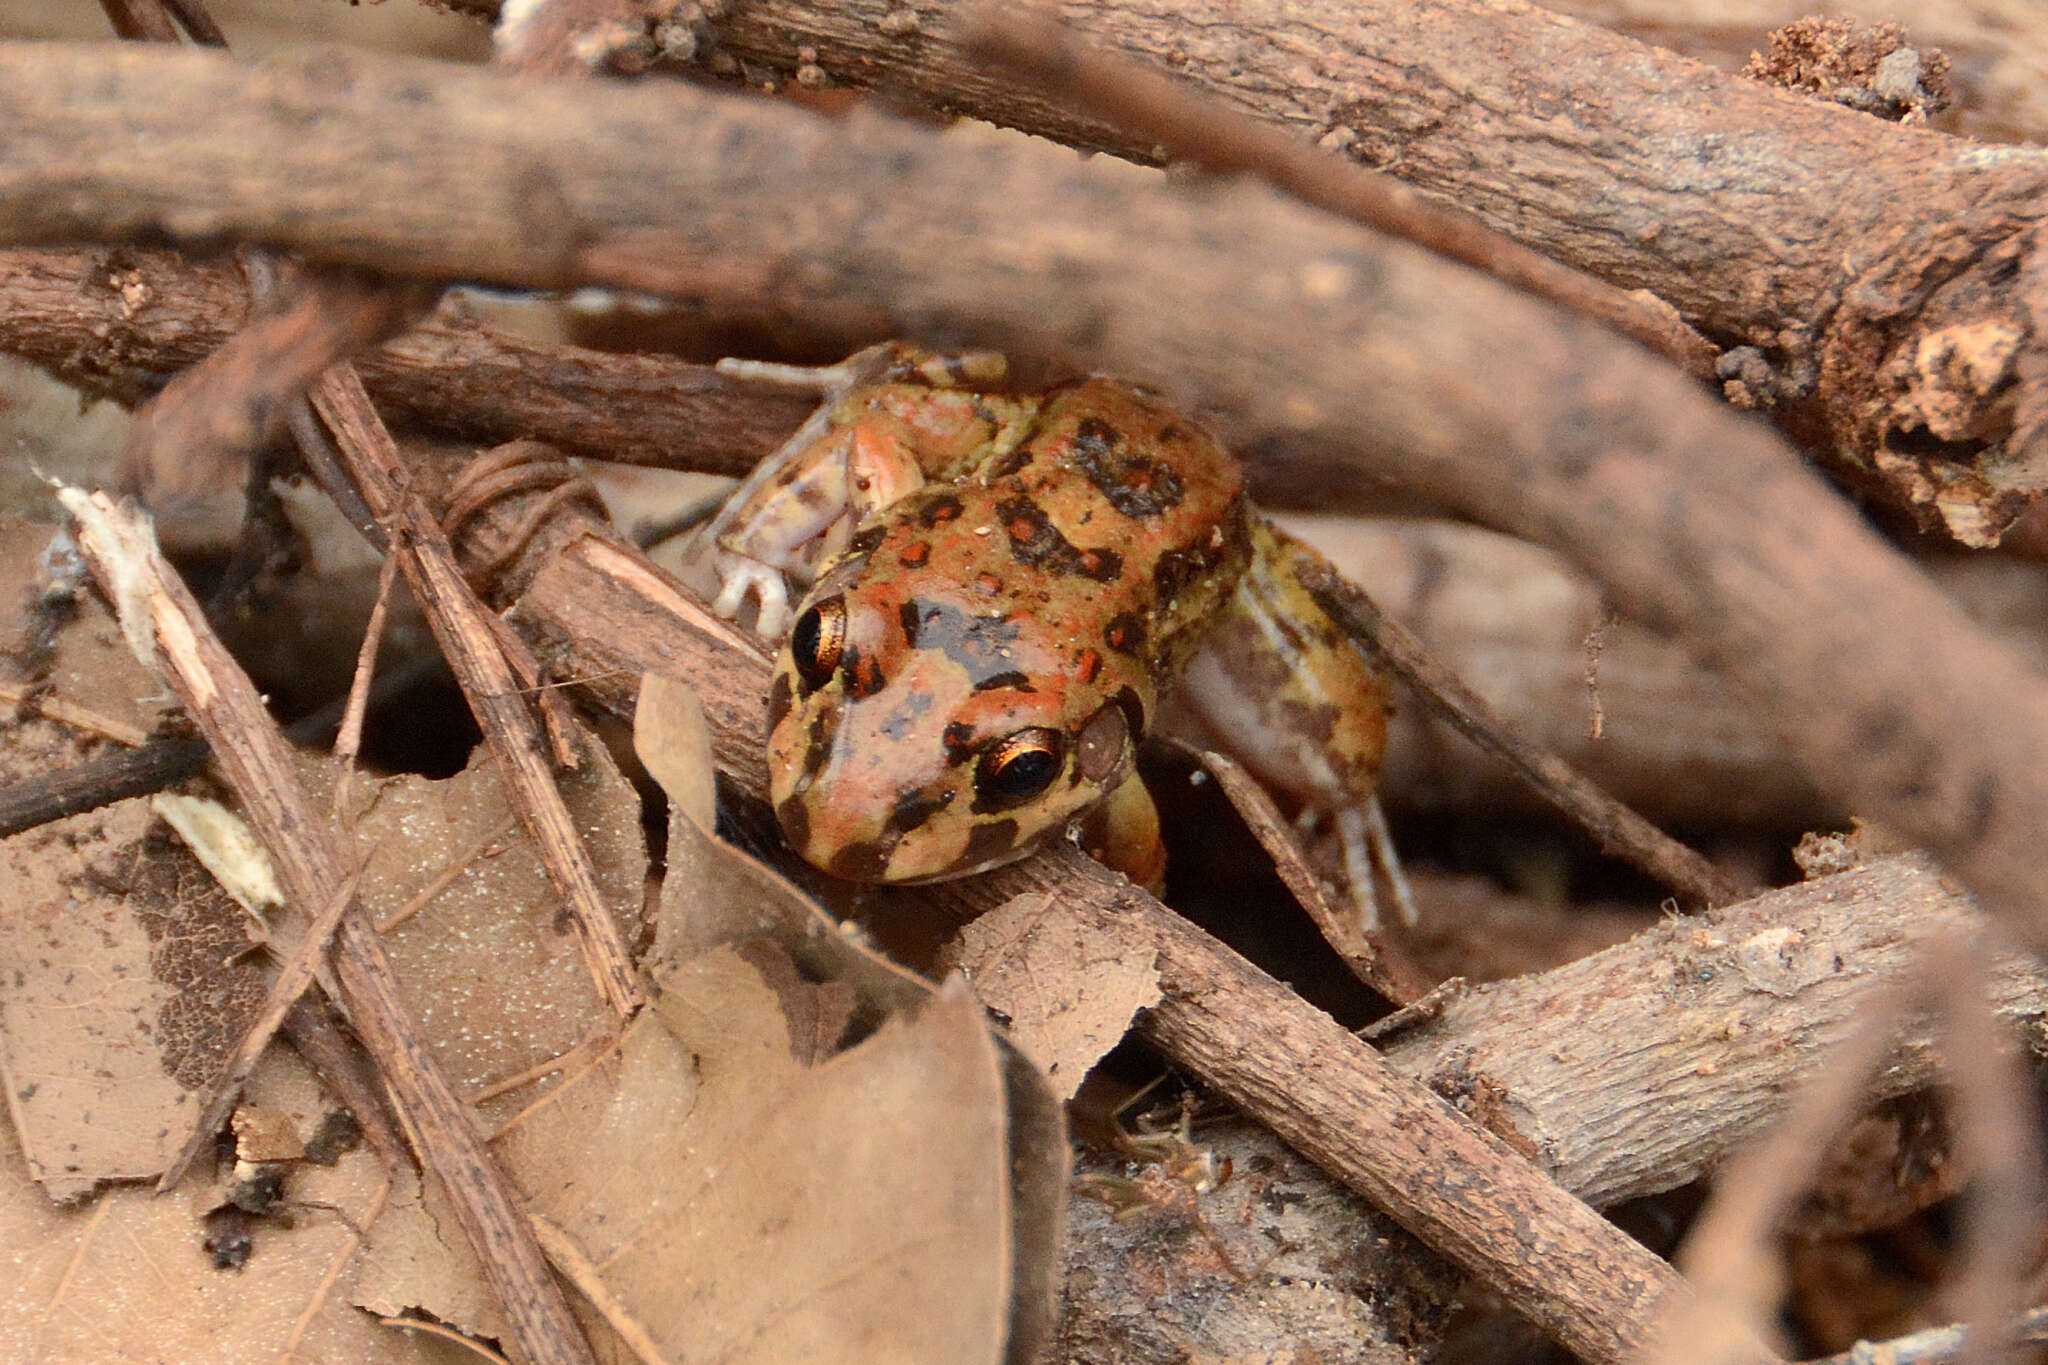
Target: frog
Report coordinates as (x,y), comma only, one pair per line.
(1000,588)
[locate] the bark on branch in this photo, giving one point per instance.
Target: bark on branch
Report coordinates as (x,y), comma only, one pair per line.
(1891,281)
(1289,332)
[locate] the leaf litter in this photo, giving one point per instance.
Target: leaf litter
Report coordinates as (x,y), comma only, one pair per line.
(800,1149)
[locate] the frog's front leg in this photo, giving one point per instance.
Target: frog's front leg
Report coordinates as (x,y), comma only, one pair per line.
(1122,833)
(1294,700)
(826,479)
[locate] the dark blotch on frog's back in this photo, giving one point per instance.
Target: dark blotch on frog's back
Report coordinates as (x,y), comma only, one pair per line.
(978,644)
(1125,633)
(1138,486)
(1035,541)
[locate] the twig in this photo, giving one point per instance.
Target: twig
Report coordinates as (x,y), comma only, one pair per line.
(1617,829)
(140,20)
(197,22)
(158,609)
(348,737)
(116,325)
(1292,331)
(97,782)
(1363,952)
(1934,1346)
(196,435)
(1151,109)
(295,973)
(460,624)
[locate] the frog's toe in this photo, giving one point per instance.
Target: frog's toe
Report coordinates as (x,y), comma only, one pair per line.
(744,578)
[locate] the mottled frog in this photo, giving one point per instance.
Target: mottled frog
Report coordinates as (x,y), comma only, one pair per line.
(1002,588)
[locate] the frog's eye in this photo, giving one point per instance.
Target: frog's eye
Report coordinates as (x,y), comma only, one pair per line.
(817,640)
(1018,768)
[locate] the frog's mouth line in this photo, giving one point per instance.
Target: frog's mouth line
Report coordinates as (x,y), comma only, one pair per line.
(970,869)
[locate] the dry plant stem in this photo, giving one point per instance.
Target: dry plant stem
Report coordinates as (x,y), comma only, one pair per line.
(115,324)
(1617,829)
(197,22)
(1363,952)
(258,765)
(1204,132)
(295,974)
(1292,332)
(607,615)
(1936,1345)
(197,434)
(348,740)
(488,681)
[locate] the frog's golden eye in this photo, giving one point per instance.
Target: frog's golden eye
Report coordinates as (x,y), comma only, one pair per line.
(1017,768)
(817,641)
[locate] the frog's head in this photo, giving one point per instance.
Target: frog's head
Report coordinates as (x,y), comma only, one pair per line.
(941,718)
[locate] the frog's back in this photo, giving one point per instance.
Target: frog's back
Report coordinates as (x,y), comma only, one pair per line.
(1148,507)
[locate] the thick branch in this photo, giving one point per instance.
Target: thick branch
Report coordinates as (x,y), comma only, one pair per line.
(120,324)
(1290,331)
(1890,286)
(1639,1068)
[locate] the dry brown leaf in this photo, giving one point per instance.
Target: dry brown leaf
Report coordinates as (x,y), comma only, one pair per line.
(492,968)
(95,687)
(1063,1004)
(127,1277)
(673,742)
(124,994)
(418,1260)
(748,963)
(744,1207)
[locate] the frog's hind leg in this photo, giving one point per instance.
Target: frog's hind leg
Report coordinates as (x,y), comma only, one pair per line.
(1295,701)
